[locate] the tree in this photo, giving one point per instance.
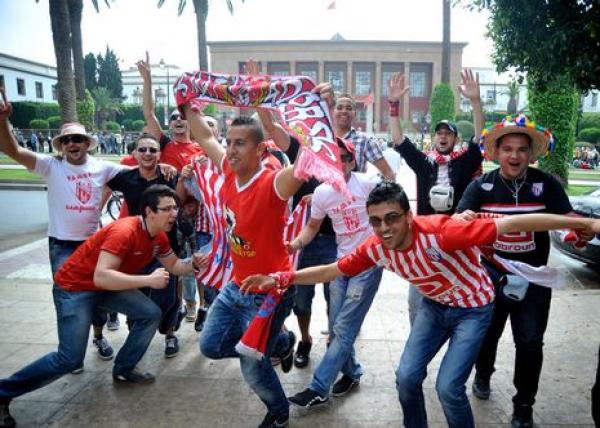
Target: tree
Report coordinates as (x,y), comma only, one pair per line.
(109,74)
(90,71)
(106,105)
(512,90)
(446,43)
(201,10)
(441,105)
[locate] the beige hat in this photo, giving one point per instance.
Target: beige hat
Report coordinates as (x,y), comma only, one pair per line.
(73,128)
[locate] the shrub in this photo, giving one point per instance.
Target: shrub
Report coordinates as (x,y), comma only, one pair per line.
(137,125)
(465,129)
(25,111)
(112,126)
(441,105)
(591,135)
(38,124)
(54,122)
(589,120)
(86,111)
(127,124)
(464,116)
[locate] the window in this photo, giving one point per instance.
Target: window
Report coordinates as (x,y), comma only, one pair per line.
(387,71)
(308,69)
(490,95)
(418,84)
(594,99)
(20,86)
(278,68)
(55,93)
(39,90)
(1,80)
(335,73)
(241,65)
(363,78)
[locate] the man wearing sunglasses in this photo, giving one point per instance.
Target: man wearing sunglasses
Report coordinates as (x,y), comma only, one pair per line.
(75,181)
(441,257)
(132,183)
(350,298)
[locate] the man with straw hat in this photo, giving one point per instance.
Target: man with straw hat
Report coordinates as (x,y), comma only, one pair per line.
(517,188)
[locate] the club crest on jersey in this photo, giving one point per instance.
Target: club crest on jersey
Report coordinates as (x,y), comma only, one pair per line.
(487,186)
(83,191)
(537,189)
(433,254)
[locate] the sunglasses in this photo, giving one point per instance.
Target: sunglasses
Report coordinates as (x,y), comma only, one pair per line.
(77,139)
(389,219)
(347,158)
(175,117)
(152,150)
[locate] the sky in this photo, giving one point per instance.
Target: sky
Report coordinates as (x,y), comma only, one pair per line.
(130,27)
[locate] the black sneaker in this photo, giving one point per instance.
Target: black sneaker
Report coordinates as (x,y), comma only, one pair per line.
(200,317)
(344,386)
(302,354)
(134,376)
(105,351)
(308,398)
(181,313)
(113,322)
(7,421)
(481,388)
(287,359)
(171,346)
(270,421)
(522,416)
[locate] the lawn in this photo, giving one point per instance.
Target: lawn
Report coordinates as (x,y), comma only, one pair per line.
(576,190)
(19,175)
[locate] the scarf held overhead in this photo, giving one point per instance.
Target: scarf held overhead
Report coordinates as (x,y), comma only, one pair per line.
(303,112)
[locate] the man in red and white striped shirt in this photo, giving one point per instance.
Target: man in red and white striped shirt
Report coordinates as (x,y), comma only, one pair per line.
(440,255)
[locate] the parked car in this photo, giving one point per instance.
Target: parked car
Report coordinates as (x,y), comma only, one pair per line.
(587,205)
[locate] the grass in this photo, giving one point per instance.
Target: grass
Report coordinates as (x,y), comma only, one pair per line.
(19,175)
(576,190)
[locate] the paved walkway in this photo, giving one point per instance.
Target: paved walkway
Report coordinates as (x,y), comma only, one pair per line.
(193,391)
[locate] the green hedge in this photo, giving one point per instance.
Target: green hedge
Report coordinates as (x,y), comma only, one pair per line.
(54,122)
(25,111)
(591,135)
(133,112)
(112,126)
(441,105)
(137,125)
(465,129)
(38,124)
(589,120)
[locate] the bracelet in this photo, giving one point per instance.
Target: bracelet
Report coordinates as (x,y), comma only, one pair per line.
(283,279)
(394,108)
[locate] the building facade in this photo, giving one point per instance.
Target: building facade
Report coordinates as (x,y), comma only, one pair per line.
(26,80)
(163,78)
(360,68)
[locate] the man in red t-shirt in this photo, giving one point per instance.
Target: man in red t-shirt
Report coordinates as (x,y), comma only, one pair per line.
(440,256)
(102,273)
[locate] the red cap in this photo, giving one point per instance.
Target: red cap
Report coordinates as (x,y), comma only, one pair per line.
(347,144)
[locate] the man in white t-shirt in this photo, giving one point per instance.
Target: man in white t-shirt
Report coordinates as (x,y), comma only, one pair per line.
(75,184)
(350,297)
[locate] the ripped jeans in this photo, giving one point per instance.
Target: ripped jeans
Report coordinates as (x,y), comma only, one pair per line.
(350,299)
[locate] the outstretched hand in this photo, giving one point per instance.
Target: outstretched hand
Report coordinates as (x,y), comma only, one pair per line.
(397,87)
(5,106)
(258,283)
(144,67)
(469,86)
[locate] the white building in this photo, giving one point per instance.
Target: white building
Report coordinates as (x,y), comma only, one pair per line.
(163,78)
(494,91)
(590,102)
(26,80)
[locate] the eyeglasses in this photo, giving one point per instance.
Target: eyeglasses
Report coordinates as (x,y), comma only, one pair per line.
(389,219)
(152,150)
(170,208)
(77,139)
(175,117)
(347,158)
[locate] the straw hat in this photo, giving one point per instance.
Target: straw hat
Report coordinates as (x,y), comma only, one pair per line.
(542,140)
(73,128)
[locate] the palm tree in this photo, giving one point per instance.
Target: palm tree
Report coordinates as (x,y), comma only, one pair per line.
(512,90)
(106,105)
(446,43)
(201,10)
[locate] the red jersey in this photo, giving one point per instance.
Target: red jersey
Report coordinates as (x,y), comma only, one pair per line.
(256,217)
(443,261)
(128,160)
(179,154)
(126,238)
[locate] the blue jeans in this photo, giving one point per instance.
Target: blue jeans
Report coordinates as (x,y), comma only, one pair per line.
(59,251)
(435,324)
(321,250)
(190,285)
(351,298)
(227,320)
(74,311)
(166,298)
(414,303)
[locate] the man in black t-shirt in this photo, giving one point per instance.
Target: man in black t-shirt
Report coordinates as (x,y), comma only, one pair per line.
(516,188)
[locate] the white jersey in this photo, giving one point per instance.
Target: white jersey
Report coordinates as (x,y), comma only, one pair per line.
(74,195)
(348,217)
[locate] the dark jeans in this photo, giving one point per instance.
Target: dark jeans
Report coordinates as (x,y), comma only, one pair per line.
(166,298)
(59,251)
(528,320)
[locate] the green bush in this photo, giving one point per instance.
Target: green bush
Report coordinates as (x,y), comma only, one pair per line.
(25,111)
(591,135)
(134,112)
(441,105)
(86,111)
(589,120)
(112,126)
(465,129)
(54,122)
(127,124)
(464,116)
(137,125)
(39,124)
(555,107)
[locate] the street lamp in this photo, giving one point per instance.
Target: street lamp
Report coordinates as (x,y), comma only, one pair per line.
(164,66)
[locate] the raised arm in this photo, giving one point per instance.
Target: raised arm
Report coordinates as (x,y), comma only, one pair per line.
(204,136)
(396,91)
(469,88)
(8,142)
(286,184)
(152,122)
